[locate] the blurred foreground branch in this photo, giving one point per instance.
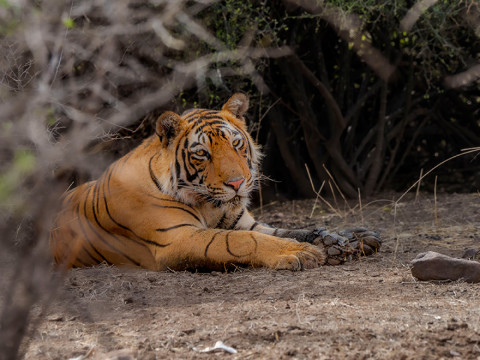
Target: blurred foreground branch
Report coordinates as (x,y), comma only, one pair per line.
(74,72)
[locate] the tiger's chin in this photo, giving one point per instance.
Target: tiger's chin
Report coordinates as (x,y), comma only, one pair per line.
(237,200)
(193,198)
(228,204)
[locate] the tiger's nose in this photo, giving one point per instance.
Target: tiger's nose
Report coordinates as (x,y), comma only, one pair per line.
(235,183)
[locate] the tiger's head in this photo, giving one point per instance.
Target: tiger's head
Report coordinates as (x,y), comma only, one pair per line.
(211,156)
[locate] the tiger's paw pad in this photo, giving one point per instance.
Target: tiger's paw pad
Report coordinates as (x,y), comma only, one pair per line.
(306,257)
(348,244)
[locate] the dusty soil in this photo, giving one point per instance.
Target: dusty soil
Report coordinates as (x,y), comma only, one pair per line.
(371,308)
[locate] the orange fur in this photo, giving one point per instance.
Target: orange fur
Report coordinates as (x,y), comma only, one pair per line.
(177,201)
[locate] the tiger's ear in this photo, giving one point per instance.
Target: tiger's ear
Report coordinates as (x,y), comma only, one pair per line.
(168,127)
(237,105)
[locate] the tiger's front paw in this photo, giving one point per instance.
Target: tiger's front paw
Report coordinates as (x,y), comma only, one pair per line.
(348,244)
(301,256)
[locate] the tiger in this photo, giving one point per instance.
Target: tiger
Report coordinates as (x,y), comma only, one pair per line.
(179,201)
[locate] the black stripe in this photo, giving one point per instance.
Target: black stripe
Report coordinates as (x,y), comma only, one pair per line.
(235,255)
(212,116)
(179,208)
(237,219)
(228,245)
(202,114)
(73,235)
(256,243)
(275,232)
(123,226)
(191,114)
(203,137)
(190,175)
(153,176)
(177,169)
(96,190)
(177,163)
(221,134)
(82,264)
(210,123)
(255,224)
(56,259)
(162,199)
(97,221)
(88,222)
(210,242)
(90,255)
(220,222)
(174,227)
(249,146)
(211,200)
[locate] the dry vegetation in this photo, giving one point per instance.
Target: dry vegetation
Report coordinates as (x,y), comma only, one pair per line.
(71,75)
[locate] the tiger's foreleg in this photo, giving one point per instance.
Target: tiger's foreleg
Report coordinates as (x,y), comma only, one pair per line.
(195,246)
(340,246)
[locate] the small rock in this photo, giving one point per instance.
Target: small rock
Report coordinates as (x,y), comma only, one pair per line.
(55,317)
(354,244)
(433,237)
(333,251)
(454,353)
(434,266)
(366,249)
(123,354)
(333,261)
(372,241)
(328,241)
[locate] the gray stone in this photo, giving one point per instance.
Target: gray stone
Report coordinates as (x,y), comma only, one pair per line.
(333,251)
(333,261)
(328,241)
(123,354)
(372,241)
(434,266)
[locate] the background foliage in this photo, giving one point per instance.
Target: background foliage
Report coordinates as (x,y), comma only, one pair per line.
(332,110)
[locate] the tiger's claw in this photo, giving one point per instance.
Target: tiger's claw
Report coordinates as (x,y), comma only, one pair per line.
(348,244)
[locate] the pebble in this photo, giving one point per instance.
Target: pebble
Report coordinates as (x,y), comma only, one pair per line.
(333,251)
(55,317)
(123,354)
(333,261)
(329,241)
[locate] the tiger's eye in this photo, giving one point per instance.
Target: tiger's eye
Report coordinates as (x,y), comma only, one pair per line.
(201,152)
(236,142)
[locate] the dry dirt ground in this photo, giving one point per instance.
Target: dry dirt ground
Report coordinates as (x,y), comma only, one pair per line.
(371,308)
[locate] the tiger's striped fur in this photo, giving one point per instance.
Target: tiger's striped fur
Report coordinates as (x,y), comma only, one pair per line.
(177,201)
